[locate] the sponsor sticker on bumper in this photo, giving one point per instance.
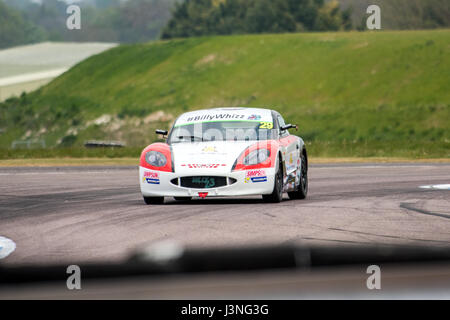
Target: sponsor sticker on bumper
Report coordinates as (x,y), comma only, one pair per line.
(259,179)
(152,181)
(151,177)
(258,175)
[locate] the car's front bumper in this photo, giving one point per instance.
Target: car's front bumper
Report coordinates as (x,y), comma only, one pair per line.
(158,184)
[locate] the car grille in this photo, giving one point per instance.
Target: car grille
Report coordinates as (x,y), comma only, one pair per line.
(203,182)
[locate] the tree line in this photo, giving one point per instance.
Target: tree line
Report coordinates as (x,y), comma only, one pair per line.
(130,21)
(222,17)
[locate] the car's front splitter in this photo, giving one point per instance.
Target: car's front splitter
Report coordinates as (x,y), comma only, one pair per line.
(247,182)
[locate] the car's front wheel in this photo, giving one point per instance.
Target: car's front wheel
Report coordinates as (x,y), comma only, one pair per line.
(302,188)
(277,194)
(154,200)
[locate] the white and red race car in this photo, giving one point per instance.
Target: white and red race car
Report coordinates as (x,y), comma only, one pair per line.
(225,152)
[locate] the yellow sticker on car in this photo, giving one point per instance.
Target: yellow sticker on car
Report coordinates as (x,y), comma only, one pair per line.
(266,125)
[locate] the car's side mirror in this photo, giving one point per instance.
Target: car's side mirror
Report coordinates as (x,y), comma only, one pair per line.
(161,132)
(289,126)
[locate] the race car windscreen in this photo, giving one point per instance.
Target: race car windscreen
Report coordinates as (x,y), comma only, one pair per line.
(223,131)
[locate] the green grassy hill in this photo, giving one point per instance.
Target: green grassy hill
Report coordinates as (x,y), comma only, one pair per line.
(357,94)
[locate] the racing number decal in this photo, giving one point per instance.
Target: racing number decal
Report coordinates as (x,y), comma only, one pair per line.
(266,125)
(206,181)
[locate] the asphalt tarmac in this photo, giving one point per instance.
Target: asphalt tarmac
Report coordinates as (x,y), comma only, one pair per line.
(87,214)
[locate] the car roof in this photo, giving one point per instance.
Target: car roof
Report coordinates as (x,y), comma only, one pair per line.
(239,108)
(227,109)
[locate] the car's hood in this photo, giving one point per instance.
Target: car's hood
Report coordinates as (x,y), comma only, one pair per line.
(204,157)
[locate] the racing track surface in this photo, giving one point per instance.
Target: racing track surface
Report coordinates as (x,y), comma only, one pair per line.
(59,215)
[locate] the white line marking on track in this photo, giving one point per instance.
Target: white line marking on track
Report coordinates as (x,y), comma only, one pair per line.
(7,246)
(427,166)
(437,187)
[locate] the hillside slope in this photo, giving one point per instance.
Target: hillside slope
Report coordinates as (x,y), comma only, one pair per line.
(386,91)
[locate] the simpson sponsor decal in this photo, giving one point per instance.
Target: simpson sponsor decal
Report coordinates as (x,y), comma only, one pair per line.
(151,177)
(257,175)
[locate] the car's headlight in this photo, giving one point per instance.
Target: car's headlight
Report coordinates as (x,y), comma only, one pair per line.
(155,158)
(256,156)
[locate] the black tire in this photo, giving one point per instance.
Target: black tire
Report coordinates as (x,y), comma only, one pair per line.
(277,194)
(182,198)
(302,188)
(154,200)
